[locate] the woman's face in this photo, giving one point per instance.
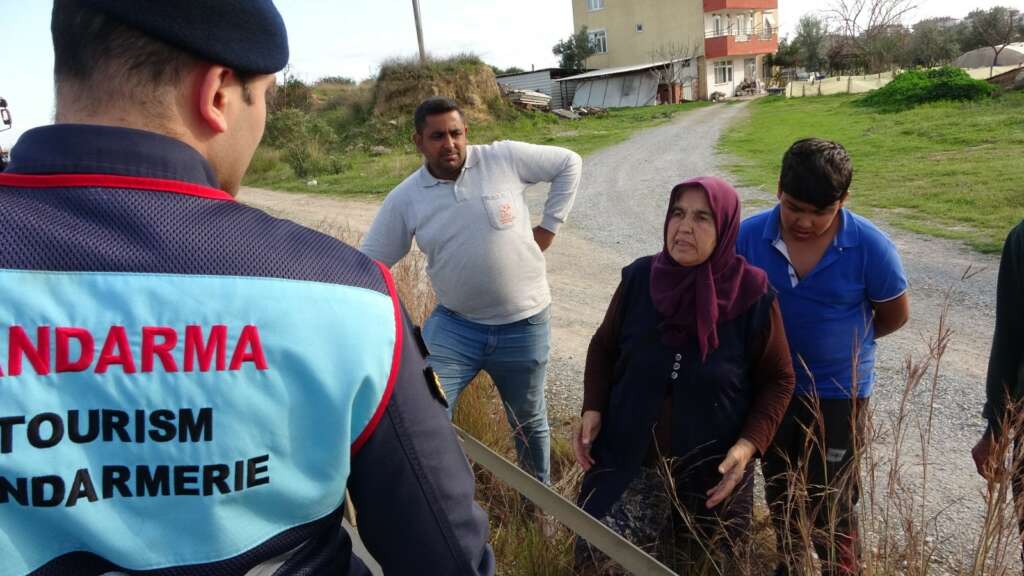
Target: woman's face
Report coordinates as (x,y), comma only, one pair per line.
(691,236)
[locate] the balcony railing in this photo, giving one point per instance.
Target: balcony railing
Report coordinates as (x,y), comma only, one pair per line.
(716,5)
(749,33)
(726,42)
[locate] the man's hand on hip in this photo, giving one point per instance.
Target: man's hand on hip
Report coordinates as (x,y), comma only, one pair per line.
(543,237)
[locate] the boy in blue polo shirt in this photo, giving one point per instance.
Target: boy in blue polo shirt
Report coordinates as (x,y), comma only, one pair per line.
(840,286)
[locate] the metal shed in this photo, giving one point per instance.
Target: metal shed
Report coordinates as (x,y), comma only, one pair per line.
(543,81)
(628,86)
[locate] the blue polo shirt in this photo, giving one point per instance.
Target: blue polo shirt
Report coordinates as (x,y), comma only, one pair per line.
(828,313)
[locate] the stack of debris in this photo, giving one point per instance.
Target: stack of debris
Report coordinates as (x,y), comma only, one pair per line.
(577,113)
(528,99)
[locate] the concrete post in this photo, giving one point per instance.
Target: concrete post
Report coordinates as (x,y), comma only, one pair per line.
(419,30)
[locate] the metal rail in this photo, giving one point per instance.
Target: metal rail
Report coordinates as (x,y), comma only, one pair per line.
(597,534)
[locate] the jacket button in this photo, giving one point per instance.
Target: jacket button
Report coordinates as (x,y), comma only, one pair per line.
(675,366)
(679,357)
(675,375)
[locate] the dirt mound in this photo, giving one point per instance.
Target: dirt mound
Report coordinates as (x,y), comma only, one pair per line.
(402,85)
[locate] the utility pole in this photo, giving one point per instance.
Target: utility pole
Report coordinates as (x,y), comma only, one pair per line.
(419,30)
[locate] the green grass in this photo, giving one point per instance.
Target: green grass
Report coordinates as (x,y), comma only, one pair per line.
(366,174)
(948,169)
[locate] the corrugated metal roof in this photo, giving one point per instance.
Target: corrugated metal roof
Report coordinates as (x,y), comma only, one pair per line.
(621,70)
(558,70)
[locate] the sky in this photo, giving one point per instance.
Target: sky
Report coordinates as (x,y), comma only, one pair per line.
(351,37)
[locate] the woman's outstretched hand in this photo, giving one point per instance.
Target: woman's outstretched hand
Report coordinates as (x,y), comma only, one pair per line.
(589,426)
(731,469)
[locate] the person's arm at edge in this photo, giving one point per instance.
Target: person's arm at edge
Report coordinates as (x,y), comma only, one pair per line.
(773,379)
(561,167)
(412,485)
(1005,358)
(390,236)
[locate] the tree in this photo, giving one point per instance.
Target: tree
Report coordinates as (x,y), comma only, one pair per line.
(787,55)
(872,29)
(292,93)
(809,42)
(933,42)
(574,50)
(993,28)
(510,70)
(341,80)
(675,64)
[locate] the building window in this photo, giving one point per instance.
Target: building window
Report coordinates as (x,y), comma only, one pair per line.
(595,5)
(717,23)
(639,27)
(599,41)
(723,72)
(741,26)
(750,68)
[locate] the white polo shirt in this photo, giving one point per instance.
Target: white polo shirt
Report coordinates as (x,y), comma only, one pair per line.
(475,231)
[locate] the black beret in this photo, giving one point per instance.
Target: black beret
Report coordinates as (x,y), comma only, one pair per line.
(246,35)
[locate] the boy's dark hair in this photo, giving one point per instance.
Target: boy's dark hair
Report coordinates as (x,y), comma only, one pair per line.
(432,106)
(105,62)
(816,171)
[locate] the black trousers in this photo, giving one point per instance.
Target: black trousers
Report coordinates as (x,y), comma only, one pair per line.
(812,483)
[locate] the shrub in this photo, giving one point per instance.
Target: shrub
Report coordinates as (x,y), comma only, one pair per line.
(264,161)
(284,127)
(411,69)
(307,143)
(915,87)
(342,80)
(293,93)
(312,159)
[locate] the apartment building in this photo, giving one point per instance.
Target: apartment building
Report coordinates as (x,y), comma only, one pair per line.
(728,38)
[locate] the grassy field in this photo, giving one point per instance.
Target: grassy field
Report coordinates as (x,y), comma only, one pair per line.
(947,169)
(359,171)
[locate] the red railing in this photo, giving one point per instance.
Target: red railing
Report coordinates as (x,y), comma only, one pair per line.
(758,41)
(716,5)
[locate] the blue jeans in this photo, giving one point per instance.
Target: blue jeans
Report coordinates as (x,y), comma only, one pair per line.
(516,357)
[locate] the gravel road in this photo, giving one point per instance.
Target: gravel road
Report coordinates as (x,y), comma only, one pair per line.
(618,217)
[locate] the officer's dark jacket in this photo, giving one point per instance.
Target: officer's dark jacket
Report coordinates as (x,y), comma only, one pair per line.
(188,385)
(711,400)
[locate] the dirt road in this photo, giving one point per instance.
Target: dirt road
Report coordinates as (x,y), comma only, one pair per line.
(618,217)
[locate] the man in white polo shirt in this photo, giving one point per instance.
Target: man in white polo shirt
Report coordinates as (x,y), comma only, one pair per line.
(467,210)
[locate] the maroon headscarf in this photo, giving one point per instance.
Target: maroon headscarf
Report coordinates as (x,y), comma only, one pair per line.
(693,300)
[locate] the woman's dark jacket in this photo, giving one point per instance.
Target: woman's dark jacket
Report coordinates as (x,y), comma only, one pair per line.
(741,390)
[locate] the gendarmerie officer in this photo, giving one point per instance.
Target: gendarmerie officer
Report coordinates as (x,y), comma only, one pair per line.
(189,384)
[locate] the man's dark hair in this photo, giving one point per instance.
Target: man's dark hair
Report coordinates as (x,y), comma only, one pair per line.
(816,171)
(105,62)
(432,106)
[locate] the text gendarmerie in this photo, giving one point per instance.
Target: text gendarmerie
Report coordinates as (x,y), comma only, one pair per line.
(136,481)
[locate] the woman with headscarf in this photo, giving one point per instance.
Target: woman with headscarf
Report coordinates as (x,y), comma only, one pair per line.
(686,380)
